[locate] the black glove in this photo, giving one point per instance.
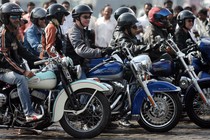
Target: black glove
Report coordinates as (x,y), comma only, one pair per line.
(107,51)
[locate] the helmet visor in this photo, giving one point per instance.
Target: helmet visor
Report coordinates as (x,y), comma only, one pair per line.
(163,13)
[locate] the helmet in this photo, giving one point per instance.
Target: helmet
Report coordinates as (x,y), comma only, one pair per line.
(122,10)
(36,14)
(185,14)
(157,15)
(56,11)
(80,9)
(8,9)
(126,19)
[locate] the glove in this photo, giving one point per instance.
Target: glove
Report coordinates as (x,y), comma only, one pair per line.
(107,51)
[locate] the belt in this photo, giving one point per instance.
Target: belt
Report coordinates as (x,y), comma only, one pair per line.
(2,70)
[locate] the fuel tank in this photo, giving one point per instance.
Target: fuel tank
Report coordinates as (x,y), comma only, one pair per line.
(162,68)
(111,70)
(43,80)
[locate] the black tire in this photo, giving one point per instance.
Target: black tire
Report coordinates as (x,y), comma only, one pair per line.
(92,121)
(197,110)
(152,120)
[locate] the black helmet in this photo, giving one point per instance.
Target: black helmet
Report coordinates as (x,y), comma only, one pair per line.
(126,19)
(37,13)
(56,11)
(122,10)
(8,9)
(80,9)
(185,14)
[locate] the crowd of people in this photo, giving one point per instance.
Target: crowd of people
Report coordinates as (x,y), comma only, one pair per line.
(81,36)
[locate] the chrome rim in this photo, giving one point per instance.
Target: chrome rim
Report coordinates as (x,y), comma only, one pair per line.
(161,116)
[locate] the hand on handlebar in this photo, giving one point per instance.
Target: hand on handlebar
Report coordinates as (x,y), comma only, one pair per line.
(107,51)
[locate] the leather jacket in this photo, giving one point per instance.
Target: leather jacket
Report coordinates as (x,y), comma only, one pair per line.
(52,36)
(12,52)
(80,42)
(180,38)
(120,38)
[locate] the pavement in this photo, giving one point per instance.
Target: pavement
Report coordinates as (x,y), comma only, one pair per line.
(185,130)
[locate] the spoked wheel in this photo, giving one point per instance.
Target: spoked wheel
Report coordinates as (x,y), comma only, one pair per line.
(92,121)
(164,117)
(197,110)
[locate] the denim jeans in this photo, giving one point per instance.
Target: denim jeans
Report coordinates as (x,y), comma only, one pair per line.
(21,82)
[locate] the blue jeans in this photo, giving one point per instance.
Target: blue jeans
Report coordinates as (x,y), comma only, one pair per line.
(21,82)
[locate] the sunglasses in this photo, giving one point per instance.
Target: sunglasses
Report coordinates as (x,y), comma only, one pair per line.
(86,17)
(14,17)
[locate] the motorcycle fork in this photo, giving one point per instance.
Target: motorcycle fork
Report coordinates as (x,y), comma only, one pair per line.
(195,78)
(68,90)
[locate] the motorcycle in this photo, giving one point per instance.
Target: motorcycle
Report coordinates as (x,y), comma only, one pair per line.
(200,58)
(179,71)
(154,104)
(80,106)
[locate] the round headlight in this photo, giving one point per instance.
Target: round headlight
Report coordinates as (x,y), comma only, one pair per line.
(143,61)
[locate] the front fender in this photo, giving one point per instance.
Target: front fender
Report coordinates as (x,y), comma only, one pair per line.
(191,88)
(58,107)
(154,87)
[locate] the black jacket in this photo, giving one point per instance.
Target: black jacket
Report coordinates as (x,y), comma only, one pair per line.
(12,52)
(181,36)
(120,38)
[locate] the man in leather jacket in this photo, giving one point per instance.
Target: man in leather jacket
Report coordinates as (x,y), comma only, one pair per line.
(125,33)
(158,27)
(185,20)
(11,53)
(80,37)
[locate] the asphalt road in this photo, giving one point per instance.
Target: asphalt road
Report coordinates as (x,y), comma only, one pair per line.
(185,130)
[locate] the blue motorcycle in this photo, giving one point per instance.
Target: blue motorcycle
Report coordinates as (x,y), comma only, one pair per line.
(154,104)
(201,58)
(179,71)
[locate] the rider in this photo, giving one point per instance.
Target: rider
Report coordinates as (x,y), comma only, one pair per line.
(11,52)
(185,20)
(53,36)
(117,13)
(125,33)
(81,40)
(158,17)
(32,38)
